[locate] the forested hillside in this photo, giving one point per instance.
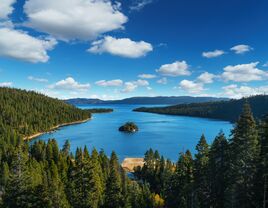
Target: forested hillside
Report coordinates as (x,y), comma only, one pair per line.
(224,110)
(26,112)
(42,175)
(230,173)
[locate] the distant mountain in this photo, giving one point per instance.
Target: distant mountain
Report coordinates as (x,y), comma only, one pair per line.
(81,101)
(164,100)
(224,110)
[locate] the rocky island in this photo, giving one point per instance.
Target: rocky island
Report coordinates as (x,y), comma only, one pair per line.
(129,127)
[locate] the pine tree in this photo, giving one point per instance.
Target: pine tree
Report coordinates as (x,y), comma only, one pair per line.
(66,148)
(113,193)
(218,171)
(4,175)
(19,190)
(95,184)
(57,194)
(262,180)
(201,173)
(180,189)
(244,153)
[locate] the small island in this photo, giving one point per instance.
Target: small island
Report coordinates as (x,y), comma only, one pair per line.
(129,127)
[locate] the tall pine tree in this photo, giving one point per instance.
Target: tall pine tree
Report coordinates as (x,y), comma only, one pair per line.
(244,153)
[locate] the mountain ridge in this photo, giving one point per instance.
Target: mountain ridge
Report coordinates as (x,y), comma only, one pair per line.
(168,100)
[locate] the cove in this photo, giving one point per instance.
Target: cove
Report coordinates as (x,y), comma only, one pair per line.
(168,134)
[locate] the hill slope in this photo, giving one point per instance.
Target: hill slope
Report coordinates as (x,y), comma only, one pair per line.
(27,113)
(164,100)
(224,110)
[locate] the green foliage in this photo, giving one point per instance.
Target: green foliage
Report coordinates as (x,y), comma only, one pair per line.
(129,127)
(245,151)
(219,158)
(223,110)
(100,110)
(25,112)
(229,173)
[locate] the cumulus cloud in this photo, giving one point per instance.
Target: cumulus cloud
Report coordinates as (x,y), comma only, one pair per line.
(147,76)
(265,65)
(20,45)
(240,49)
(121,47)
(234,91)
(244,73)
(37,79)
(162,81)
(141,82)
(191,86)
(131,86)
(6,8)
(140,4)
(69,84)
(178,68)
(110,83)
(206,78)
(74,19)
(6,84)
(213,54)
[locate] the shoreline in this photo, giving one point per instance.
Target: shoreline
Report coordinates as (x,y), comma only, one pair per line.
(28,138)
(129,163)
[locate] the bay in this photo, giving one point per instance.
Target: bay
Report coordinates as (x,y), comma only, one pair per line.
(168,134)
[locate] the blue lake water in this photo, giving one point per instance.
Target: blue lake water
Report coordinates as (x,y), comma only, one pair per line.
(168,134)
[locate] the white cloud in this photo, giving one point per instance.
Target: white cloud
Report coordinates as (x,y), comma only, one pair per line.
(233,91)
(206,78)
(265,65)
(121,47)
(240,49)
(69,84)
(19,45)
(6,8)
(147,76)
(244,73)
(6,84)
(74,19)
(110,83)
(162,80)
(141,82)
(129,87)
(213,54)
(104,97)
(37,79)
(178,68)
(139,4)
(191,86)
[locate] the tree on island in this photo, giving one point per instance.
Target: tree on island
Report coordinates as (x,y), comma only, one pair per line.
(129,127)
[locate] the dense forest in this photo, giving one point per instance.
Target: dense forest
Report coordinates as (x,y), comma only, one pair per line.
(26,112)
(228,173)
(99,110)
(223,110)
(231,172)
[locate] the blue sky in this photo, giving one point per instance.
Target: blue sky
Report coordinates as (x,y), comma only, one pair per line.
(117,49)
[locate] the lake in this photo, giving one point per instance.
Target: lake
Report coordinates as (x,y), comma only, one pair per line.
(168,134)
